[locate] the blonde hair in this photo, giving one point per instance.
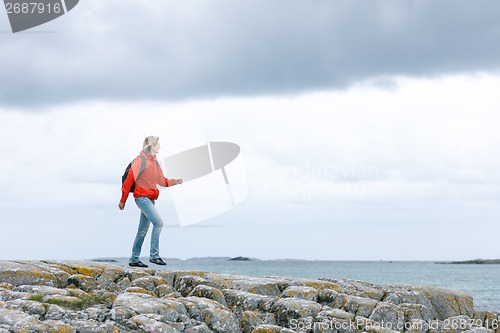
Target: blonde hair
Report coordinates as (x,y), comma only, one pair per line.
(149,142)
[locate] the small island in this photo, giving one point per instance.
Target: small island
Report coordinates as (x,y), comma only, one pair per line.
(239,259)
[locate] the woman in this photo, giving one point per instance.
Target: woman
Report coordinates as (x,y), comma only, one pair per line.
(145,194)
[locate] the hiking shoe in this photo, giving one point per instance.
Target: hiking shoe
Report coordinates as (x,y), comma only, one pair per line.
(137,264)
(157,261)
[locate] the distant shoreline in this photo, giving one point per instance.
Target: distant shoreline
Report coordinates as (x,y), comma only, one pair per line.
(475,262)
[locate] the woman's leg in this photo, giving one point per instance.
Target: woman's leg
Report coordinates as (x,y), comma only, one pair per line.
(139,238)
(148,208)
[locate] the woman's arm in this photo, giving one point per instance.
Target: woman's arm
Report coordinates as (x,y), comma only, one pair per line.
(162,181)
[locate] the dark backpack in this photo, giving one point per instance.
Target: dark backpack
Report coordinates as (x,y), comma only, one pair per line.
(125,175)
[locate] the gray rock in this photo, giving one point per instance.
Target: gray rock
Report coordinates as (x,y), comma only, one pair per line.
(480,315)
(63,301)
(440,303)
(359,288)
(11,318)
(261,286)
(54,312)
(477,330)
(139,290)
(131,304)
(18,321)
(42,290)
(159,280)
(57,326)
(488,319)
(242,300)
(120,315)
(86,326)
(163,290)
(33,308)
(306,293)
(269,318)
(132,273)
(168,276)
(334,320)
(285,282)
(416,326)
(415,312)
(201,303)
(332,298)
(150,323)
(124,283)
(145,282)
(448,303)
(103,296)
(249,321)
(97,313)
(388,313)
(221,320)
(209,292)
(83,282)
(460,323)
(21,273)
(360,306)
(287,309)
(7,295)
(201,328)
(337,314)
(5,285)
(70,316)
(195,306)
(186,284)
(112,327)
(408,294)
(109,276)
(271,329)
(367,325)
(320,284)
(217,317)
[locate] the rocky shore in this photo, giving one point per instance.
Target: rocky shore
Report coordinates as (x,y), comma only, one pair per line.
(55,296)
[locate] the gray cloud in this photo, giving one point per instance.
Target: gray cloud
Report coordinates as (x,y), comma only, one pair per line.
(166,50)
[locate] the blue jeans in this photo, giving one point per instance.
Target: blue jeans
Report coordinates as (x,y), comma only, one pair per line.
(149,214)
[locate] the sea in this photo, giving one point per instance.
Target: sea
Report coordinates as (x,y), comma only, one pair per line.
(482,282)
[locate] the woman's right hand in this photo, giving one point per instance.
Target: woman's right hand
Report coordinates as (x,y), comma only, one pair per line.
(121,205)
(173,182)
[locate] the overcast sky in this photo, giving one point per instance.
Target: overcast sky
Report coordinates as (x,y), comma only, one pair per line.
(369,129)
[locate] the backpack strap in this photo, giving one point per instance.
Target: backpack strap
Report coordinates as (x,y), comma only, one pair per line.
(143,166)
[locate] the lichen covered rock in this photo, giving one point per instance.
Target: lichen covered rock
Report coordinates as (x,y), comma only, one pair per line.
(17,274)
(242,300)
(131,304)
(55,296)
(306,293)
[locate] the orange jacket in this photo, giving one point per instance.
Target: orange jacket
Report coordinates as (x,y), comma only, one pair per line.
(145,186)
